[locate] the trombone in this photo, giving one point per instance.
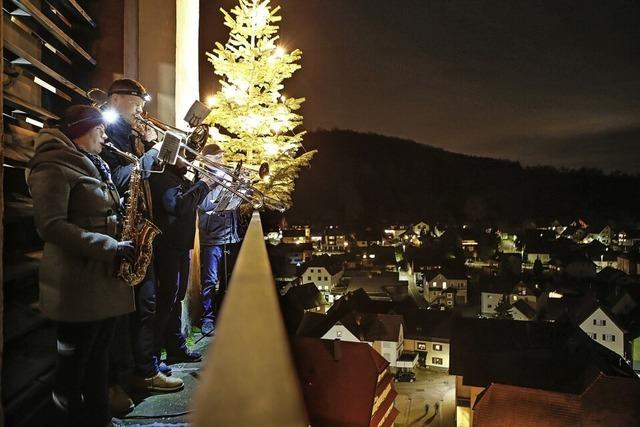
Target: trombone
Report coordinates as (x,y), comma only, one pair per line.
(238,180)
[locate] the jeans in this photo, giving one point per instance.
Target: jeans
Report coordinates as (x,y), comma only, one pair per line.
(81,373)
(172,269)
(211,259)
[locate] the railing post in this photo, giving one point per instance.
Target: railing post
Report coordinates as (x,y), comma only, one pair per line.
(249,378)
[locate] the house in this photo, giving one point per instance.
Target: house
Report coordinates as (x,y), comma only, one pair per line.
(521,310)
(601,325)
(492,294)
(421,228)
(306,297)
(628,263)
(428,333)
(575,265)
(294,253)
(628,238)
(376,256)
(298,235)
(538,249)
(344,383)
(299,300)
(438,282)
(392,233)
(324,271)
(608,401)
(367,237)
(335,240)
(384,332)
(381,285)
(596,320)
(548,357)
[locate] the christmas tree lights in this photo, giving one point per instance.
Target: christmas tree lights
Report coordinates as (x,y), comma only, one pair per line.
(251,119)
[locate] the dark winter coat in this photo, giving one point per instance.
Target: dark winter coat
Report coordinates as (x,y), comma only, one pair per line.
(75,214)
(216,228)
(176,201)
(121,135)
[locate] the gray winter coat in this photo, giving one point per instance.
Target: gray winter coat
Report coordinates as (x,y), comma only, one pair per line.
(75,214)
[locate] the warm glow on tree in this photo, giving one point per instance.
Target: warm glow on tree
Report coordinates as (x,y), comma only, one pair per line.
(251,119)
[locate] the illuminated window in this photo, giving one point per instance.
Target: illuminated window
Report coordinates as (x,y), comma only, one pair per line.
(437,347)
(339,334)
(422,346)
(436,360)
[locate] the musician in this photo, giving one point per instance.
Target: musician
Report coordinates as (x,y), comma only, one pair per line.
(76,209)
(176,199)
(128,97)
(218,232)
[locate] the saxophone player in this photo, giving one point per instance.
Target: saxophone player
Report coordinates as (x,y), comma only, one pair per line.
(128,97)
(76,208)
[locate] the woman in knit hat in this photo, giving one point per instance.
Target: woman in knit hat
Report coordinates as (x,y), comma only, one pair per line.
(76,208)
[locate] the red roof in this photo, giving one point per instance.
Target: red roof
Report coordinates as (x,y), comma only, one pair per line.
(609,401)
(339,383)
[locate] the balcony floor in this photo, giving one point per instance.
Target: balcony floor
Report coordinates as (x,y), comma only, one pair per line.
(168,409)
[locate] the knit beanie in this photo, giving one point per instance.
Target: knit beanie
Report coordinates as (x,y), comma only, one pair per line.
(80,119)
(211,150)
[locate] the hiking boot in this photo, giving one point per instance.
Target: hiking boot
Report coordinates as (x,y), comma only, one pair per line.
(159,382)
(119,400)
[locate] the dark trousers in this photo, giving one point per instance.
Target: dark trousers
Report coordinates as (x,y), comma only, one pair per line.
(172,269)
(215,271)
(81,372)
(142,327)
(211,261)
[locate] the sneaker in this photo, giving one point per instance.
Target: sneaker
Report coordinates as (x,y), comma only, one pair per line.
(208,328)
(186,357)
(162,367)
(119,400)
(159,382)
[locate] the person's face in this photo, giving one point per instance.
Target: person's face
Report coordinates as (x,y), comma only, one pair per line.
(92,141)
(127,105)
(216,158)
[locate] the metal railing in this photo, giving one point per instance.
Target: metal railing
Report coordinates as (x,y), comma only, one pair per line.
(249,378)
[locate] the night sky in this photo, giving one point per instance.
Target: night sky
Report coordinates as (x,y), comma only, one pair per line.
(543,82)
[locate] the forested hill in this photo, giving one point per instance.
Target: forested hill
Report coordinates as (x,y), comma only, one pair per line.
(359,178)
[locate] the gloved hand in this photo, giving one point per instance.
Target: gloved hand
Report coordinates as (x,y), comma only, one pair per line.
(126,250)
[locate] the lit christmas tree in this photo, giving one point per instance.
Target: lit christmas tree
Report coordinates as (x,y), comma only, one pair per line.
(251,118)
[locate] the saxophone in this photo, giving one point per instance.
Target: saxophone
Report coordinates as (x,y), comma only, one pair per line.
(136,228)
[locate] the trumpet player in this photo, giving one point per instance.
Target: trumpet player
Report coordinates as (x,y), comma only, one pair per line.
(177,200)
(127,98)
(76,208)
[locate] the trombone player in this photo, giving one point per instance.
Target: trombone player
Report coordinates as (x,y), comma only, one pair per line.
(127,98)
(218,232)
